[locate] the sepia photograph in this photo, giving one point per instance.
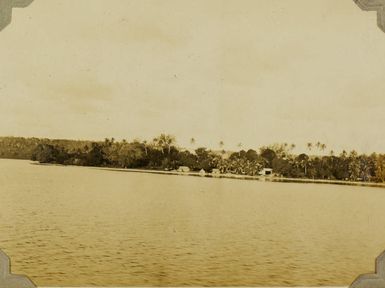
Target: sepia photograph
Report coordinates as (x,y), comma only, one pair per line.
(192,143)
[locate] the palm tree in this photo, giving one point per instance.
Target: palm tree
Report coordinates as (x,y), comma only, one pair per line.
(145,147)
(353,154)
(170,140)
(323,147)
(309,146)
(303,160)
(221,144)
(192,141)
(240,147)
(354,165)
(165,141)
(159,142)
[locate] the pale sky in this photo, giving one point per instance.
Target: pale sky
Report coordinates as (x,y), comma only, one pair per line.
(249,71)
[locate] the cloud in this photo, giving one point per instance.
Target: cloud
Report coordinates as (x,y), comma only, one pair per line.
(81,95)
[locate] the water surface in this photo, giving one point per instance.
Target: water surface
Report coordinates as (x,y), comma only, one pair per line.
(74,226)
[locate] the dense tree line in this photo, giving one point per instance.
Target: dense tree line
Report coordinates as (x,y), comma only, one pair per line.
(162,153)
(23,148)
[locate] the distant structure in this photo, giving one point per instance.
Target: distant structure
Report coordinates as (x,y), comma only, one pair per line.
(202,172)
(266,172)
(183,169)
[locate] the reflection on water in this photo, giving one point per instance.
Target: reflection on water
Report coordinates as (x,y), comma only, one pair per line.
(84,226)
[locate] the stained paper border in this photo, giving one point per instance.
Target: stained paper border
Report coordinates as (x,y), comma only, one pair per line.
(6,7)
(374,5)
(9,280)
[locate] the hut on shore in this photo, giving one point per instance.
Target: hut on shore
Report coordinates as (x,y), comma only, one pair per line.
(183,169)
(266,172)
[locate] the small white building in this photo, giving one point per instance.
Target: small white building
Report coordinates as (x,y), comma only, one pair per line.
(202,172)
(183,169)
(266,172)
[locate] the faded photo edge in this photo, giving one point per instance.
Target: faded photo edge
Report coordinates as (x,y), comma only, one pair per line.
(9,280)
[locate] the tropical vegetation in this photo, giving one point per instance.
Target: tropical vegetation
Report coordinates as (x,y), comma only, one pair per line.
(162,153)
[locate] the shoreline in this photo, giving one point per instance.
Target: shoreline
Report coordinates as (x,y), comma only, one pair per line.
(228,176)
(246,177)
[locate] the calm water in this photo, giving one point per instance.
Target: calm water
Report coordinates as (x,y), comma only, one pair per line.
(84,226)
